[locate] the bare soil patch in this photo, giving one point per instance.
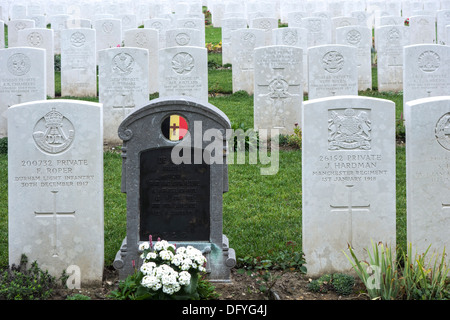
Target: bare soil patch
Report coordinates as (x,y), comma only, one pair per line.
(289,286)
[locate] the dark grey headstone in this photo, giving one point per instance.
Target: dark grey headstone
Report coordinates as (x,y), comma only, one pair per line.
(178,202)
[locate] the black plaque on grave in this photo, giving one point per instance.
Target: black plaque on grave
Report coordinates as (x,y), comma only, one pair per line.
(174,199)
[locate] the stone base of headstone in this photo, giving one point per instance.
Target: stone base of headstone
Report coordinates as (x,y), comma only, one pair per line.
(219,260)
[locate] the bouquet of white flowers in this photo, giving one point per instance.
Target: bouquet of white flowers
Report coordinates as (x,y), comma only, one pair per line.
(168,272)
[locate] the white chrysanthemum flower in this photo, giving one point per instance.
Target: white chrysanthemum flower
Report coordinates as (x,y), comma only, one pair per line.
(151,282)
(177,260)
(166,255)
(151,255)
(144,246)
(147,268)
(184,278)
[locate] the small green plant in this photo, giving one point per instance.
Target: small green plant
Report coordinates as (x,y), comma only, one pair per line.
(379,274)
(19,283)
(292,140)
(4,145)
(343,283)
(340,283)
(420,277)
(261,270)
(78,296)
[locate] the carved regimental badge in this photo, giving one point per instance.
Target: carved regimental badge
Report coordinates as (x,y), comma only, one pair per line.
(442,131)
(19,64)
(141,39)
(35,39)
(123,63)
(333,61)
(77,39)
(53,133)
(429,61)
(349,129)
(182,39)
(248,39)
(289,37)
(353,37)
(183,63)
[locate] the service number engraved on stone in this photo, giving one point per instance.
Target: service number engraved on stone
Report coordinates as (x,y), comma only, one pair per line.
(53,133)
(183,63)
(123,63)
(429,61)
(333,61)
(442,131)
(19,64)
(349,129)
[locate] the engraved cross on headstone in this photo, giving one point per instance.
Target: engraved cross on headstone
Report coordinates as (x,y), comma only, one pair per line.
(350,208)
(54,214)
(126,104)
(446,207)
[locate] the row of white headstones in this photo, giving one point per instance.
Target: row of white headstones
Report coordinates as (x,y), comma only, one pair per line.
(348,168)
(56,193)
(277,74)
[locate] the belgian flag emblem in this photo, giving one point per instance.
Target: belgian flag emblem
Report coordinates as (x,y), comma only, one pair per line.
(175,127)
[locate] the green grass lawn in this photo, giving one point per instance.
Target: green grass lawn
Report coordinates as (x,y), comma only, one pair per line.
(260,213)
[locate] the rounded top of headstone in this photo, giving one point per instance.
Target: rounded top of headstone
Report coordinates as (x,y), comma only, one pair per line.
(188,106)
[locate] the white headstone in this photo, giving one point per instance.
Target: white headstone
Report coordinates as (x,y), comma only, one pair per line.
(442,20)
(390,41)
(146,39)
(40,20)
(243,43)
(108,33)
(422,29)
(295,19)
(13,30)
(338,22)
(427,124)
(183,71)
(160,24)
(296,37)
(193,23)
(332,71)
(78,63)
(22,80)
(319,30)
(123,86)
(361,38)
(58,22)
(181,37)
(348,179)
(129,21)
(266,24)
(278,93)
(229,25)
(55,186)
(44,39)
(426,71)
